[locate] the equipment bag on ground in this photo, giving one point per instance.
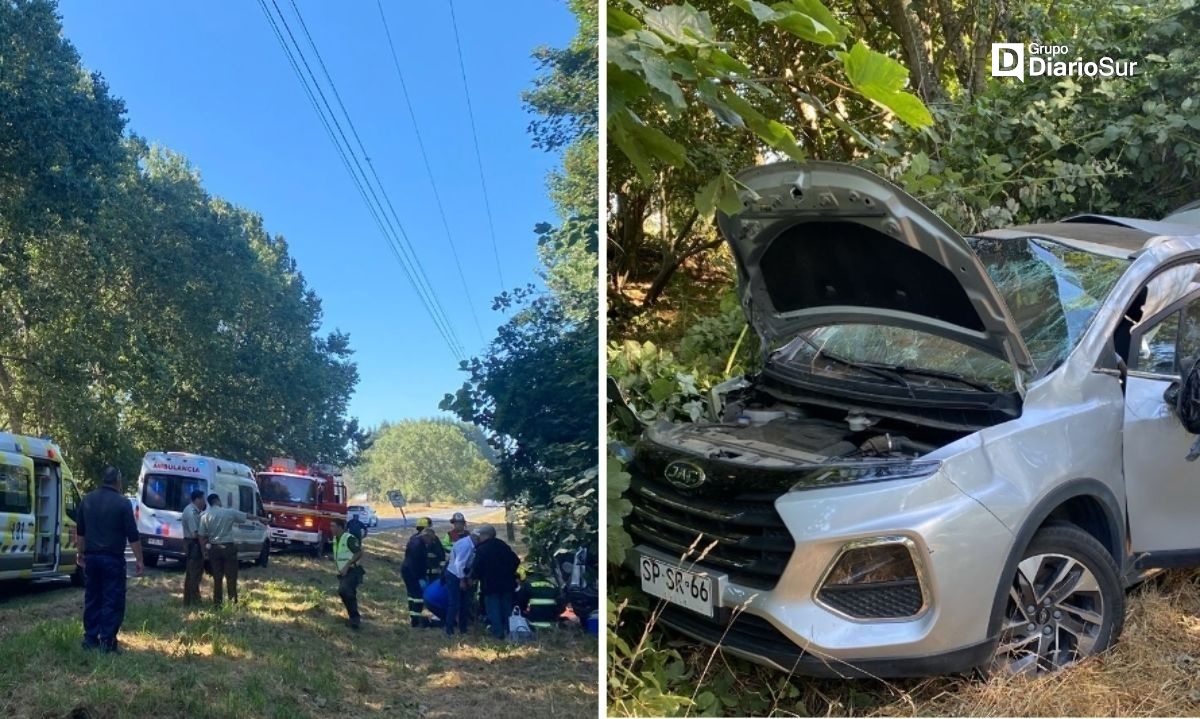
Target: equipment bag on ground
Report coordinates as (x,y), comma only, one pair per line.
(518,628)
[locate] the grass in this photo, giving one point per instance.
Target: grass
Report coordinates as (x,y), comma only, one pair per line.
(284,652)
(1154,670)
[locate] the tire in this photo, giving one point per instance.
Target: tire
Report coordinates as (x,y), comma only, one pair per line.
(77,577)
(265,555)
(1073,587)
(151,559)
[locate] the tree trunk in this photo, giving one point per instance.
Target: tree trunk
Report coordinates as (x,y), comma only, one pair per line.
(914,43)
(16,417)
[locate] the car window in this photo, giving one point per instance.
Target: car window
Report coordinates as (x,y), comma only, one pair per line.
(14,489)
(1171,344)
(246,498)
(1157,352)
(1052,291)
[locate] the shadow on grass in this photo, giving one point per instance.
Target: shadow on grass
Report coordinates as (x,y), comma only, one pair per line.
(285,651)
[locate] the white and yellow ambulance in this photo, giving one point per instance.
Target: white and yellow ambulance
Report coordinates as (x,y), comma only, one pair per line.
(165,486)
(38,499)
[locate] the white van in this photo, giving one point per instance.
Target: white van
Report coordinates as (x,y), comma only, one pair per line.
(165,487)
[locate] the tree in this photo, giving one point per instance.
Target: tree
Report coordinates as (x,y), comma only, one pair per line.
(427,460)
(137,311)
(535,390)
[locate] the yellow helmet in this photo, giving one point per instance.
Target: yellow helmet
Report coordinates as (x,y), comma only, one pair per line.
(424,522)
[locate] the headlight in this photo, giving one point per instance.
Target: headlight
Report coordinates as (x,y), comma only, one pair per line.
(864,473)
(878,578)
(308,521)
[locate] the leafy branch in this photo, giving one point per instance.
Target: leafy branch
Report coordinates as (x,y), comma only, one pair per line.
(670,59)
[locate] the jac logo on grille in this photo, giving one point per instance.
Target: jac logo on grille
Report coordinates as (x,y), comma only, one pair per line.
(684,475)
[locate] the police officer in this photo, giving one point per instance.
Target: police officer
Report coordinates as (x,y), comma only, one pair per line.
(220,549)
(347,557)
(105,524)
(356,527)
(190,519)
(414,571)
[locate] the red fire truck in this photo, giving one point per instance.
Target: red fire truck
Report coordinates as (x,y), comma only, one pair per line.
(301,502)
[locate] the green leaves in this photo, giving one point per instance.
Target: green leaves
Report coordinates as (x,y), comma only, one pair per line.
(880,79)
(616,483)
(673,60)
(428,460)
(721,193)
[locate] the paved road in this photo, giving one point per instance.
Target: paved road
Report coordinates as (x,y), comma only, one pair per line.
(471,512)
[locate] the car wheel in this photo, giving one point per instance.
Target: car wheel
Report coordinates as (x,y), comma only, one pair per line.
(1065,603)
(265,555)
(77,577)
(150,559)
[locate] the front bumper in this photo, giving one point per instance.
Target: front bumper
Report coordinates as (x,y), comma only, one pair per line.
(285,537)
(959,546)
(173,547)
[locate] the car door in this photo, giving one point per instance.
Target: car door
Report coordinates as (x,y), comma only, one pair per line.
(1162,486)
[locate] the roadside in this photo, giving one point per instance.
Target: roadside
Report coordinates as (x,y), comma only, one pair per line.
(284,652)
(1152,671)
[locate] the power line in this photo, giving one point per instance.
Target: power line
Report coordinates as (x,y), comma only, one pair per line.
(414,267)
(487,205)
(428,169)
(408,261)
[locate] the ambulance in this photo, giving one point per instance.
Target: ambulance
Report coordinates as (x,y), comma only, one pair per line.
(165,486)
(38,500)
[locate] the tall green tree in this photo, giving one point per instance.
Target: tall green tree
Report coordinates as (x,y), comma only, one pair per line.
(427,460)
(137,311)
(534,392)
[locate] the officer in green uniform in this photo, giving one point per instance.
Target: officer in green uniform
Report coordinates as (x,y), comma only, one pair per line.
(216,536)
(347,557)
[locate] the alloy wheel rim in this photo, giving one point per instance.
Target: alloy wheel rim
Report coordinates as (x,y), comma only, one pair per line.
(1054,616)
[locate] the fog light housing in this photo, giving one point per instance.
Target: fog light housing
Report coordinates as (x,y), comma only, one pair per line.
(875,579)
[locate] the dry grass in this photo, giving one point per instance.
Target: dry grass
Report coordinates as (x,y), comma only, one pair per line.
(1153,671)
(285,652)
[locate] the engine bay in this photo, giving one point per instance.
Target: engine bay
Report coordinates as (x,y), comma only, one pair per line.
(756,430)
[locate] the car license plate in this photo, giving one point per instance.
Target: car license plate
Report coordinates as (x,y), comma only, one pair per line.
(155,542)
(691,590)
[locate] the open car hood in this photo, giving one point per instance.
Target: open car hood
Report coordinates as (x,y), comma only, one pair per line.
(823,243)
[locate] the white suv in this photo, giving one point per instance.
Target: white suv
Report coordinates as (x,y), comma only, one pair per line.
(366,514)
(959,452)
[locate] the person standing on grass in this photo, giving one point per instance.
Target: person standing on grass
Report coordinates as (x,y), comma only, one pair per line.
(458,610)
(496,570)
(356,527)
(220,549)
(458,530)
(104,526)
(415,570)
(347,557)
(194,558)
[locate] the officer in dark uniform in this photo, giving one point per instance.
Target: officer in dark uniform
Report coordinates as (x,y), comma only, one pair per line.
(105,524)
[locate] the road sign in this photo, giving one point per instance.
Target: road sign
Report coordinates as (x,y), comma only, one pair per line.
(396,497)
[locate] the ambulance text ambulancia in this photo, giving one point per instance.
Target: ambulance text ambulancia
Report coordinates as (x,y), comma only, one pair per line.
(165,486)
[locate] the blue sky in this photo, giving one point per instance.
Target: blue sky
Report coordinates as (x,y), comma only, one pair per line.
(209,80)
